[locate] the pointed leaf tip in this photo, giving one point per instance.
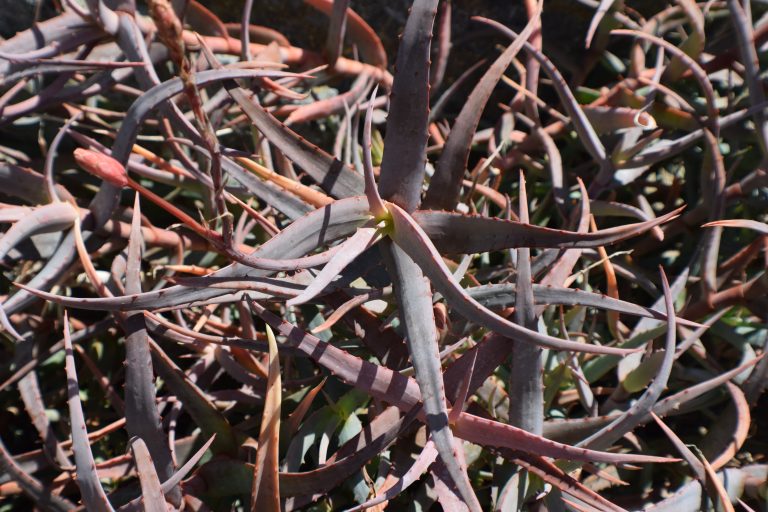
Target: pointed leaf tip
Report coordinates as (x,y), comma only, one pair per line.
(265,490)
(371,190)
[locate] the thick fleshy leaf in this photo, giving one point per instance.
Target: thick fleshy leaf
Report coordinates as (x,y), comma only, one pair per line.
(456,233)
(61,33)
(149,101)
(289,204)
(151,491)
(642,407)
(287,264)
(677,289)
(444,187)
(42,496)
(394,388)
(326,107)
(448,495)
(374,437)
(717,491)
(203,412)
(331,174)
(209,335)
(335,40)
(611,285)
(503,295)
(371,190)
(229,477)
(727,436)
(754,225)
(425,458)
(347,251)
(599,208)
(581,124)
(603,8)
(690,63)
(44,219)
(307,194)
(513,492)
(526,382)
(141,414)
(745,35)
(443,47)
(176,479)
(90,488)
(405,148)
(415,312)
(482,431)
(315,229)
(691,497)
(445,98)
(31,395)
(680,446)
(673,402)
(558,274)
(297,416)
(265,493)
(408,235)
(359,32)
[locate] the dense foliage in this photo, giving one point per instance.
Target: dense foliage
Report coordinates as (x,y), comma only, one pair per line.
(243,274)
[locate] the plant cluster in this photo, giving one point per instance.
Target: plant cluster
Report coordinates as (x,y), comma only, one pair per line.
(241,274)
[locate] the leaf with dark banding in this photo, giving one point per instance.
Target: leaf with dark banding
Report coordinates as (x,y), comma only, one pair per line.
(392,387)
(415,312)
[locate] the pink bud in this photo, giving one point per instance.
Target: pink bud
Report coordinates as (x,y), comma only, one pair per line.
(103,166)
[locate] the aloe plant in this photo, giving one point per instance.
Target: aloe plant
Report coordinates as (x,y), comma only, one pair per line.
(426,313)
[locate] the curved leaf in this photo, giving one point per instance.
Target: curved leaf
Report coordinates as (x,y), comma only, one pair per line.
(408,235)
(394,388)
(319,227)
(444,187)
(456,233)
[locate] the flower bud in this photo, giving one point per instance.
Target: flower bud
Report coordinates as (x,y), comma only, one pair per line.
(103,166)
